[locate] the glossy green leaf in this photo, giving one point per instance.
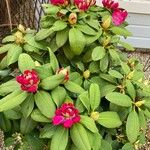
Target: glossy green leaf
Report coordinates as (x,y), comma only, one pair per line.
(45,104)
(73,87)
(10,38)
(77,41)
(59,25)
(98,53)
(88,123)
(53,61)
(12,100)
(48,131)
(109,119)
(58,95)
(27,125)
(59,139)
(37,116)
(25,62)
(115,74)
(13,54)
(79,137)
(52,82)
(95,96)
(132,126)
(127,46)
(119,99)
(125,68)
(8,87)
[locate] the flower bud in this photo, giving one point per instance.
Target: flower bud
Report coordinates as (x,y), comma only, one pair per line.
(86,74)
(106,41)
(130,75)
(65,72)
(72,18)
(19,37)
(21,28)
(106,23)
(95,115)
(139,103)
(37,64)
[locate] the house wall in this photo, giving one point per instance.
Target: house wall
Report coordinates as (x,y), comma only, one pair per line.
(139,21)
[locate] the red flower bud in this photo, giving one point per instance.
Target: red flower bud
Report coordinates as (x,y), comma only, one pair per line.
(60,2)
(119,16)
(110,4)
(65,72)
(29,81)
(66,115)
(84,5)
(72,18)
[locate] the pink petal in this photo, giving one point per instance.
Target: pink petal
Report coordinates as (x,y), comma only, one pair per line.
(68,123)
(58,120)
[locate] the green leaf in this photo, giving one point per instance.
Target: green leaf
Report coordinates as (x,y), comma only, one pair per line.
(53,61)
(98,53)
(94,24)
(37,116)
(104,63)
(95,96)
(45,104)
(59,139)
(27,125)
(114,55)
(130,89)
(12,100)
(48,131)
(115,74)
(128,146)
(79,137)
(146,102)
(3,63)
(50,9)
(142,121)
(106,145)
(120,31)
(119,99)
(84,98)
(132,126)
(29,48)
(59,25)
(27,106)
(106,89)
(109,119)
(52,82)
(8,87)
(13,54)
(77,41)
(25,62)
(43,34)
(86,29)
(73,87)
(125,68)
(67,51)
(9,38)
(58,95)
(62,37)
(12,114)
(127,46)
(5,48)
(94,67)
(88,123)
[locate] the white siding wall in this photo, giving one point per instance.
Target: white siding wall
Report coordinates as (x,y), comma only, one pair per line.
(139,21)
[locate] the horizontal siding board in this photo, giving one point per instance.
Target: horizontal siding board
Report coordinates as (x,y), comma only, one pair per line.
(138,19)
(139,31)
(138,42)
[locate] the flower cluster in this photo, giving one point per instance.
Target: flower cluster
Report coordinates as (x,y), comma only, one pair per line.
(82,5)
(29,81)
(66,115)
(118,14)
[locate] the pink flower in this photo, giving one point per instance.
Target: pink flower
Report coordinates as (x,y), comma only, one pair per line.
(29,81)
(110,4)
(66,115)
(59,2)
(84,5)
(65,72)
(119,16)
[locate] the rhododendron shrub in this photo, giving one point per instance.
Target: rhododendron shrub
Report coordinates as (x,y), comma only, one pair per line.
(68,86)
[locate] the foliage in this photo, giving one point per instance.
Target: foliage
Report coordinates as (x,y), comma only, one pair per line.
(68,86)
